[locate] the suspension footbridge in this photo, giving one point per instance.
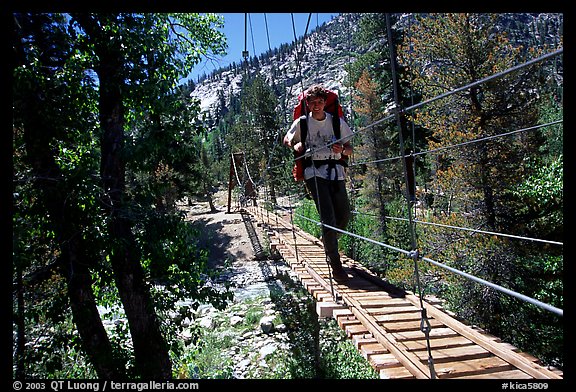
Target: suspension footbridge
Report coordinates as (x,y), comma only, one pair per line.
(402,334)
(399,335)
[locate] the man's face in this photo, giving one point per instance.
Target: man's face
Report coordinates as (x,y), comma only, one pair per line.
(316,104)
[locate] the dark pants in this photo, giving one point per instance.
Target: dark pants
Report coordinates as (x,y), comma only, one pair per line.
(333,206)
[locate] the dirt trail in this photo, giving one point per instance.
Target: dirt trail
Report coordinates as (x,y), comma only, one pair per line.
(223,234)
(236,248)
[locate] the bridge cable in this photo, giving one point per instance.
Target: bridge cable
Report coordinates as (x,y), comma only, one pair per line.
(425,326)
(280,133)
(538,303)
(352,157)
(500,74)
(527,299)
(473,230)
(470,85)
(245,52)
(478,231)
(497,287)
(284,103)
(451,92)
(252,35)
(448,93)
(298,71)
(240,184)
(481,139)
(441,265)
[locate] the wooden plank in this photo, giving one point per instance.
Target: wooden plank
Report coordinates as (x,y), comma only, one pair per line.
(400,326)
(417,335)
(406,358)
(343,313)
(505,353)
(309,282)
(369,349)
(399,316)
(383,361)
(471,367)
(322,295)
(452,354)
(392,309)
(514,374)
(452,341)
(399,372)
(359,288)
(383,303)
(346,323)
(326,308)
(367,305)
(383,324)
(355,329)
(360,340)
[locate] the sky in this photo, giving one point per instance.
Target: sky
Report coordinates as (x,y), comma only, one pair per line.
(264,31)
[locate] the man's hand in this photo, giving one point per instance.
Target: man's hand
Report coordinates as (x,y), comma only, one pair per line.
(298,147)
(344,149)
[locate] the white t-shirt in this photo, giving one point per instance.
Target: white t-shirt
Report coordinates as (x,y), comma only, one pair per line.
(320,133)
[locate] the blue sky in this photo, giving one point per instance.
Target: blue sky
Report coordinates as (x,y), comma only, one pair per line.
(261,27)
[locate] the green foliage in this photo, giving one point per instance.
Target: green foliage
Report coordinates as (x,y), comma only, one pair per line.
(364,225)
(169,152)
(340,359)
(57,140)
(542,196)
(315,348)
(306,218)
(205,360)
(508,185)
(536,330)
(177,267)
(319,348)
(551,110)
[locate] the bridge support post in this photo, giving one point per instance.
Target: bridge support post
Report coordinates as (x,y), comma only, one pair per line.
(237,168)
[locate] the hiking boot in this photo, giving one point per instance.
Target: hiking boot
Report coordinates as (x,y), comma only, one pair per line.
(340,275)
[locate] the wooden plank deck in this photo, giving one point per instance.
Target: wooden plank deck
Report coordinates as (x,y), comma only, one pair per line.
(384,322)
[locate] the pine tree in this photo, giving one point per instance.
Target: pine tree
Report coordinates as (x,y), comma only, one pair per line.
(473,184)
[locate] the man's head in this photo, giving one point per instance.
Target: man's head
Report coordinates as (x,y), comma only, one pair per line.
(316,100)
(316,91)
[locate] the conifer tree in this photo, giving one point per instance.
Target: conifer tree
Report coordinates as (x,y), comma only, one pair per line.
(473,184)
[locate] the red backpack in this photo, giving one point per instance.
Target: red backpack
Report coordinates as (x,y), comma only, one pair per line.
(333,107)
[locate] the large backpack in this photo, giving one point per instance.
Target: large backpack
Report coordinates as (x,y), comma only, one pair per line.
(331,106)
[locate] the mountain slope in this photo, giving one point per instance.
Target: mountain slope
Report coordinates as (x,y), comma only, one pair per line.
(321,60)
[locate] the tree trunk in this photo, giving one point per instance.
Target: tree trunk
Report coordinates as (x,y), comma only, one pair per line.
(38,135)
(47,173)
(20,324)
(86,317)
(211,203)
(150,350)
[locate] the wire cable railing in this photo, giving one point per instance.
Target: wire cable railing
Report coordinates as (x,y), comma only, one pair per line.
(414,254)
(431,261)
(410,253)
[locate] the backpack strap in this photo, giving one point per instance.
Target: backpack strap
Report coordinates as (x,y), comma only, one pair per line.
(336,129)
(336,120)
(303,134)
(303,130)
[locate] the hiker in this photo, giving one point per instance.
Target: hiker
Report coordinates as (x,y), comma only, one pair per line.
(324,173)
